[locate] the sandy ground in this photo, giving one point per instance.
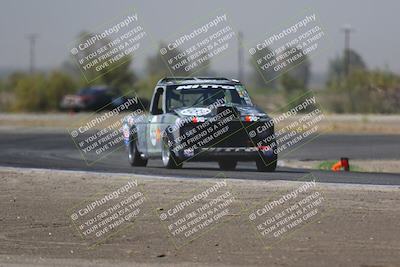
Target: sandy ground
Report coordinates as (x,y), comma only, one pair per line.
(357,225)
(333,123)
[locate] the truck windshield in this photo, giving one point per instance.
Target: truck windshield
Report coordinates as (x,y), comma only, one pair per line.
(179,96)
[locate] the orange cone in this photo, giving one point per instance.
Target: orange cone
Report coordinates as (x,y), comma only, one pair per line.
(337,166)
(342,164)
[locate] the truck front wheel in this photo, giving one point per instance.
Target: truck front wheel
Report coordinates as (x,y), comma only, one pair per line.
(169,159)
(134,155)
(267,164)
(227,165)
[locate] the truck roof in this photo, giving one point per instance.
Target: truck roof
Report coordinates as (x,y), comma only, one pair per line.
(196,80)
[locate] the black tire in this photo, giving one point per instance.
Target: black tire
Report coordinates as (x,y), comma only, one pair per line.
(134,155)
(227,165)
(169,159)
(267,164)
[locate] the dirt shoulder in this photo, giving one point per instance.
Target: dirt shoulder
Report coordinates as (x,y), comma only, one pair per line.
(378,166)
(333,123)
(356,225)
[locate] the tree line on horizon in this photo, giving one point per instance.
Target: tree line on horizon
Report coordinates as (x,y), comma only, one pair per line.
(356,90)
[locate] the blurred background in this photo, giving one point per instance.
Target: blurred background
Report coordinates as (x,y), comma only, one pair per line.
(357,73)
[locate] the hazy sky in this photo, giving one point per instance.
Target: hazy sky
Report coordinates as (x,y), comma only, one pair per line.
(376,24)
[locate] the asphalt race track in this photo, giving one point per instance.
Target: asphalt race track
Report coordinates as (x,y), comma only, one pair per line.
(56,151)
(357,225)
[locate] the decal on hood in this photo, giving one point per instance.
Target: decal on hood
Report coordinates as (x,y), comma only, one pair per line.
(195,111)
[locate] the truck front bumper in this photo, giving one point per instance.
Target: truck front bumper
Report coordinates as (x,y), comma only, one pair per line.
(234,153)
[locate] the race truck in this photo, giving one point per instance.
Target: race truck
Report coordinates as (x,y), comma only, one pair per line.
(201,119)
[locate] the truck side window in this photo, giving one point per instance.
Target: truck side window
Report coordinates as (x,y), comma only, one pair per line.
(156,108)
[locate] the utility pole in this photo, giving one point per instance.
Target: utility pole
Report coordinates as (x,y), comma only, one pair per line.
(347,29)
(240,56)
(32,39)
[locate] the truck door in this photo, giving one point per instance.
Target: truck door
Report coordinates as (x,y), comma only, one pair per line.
(154,125)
